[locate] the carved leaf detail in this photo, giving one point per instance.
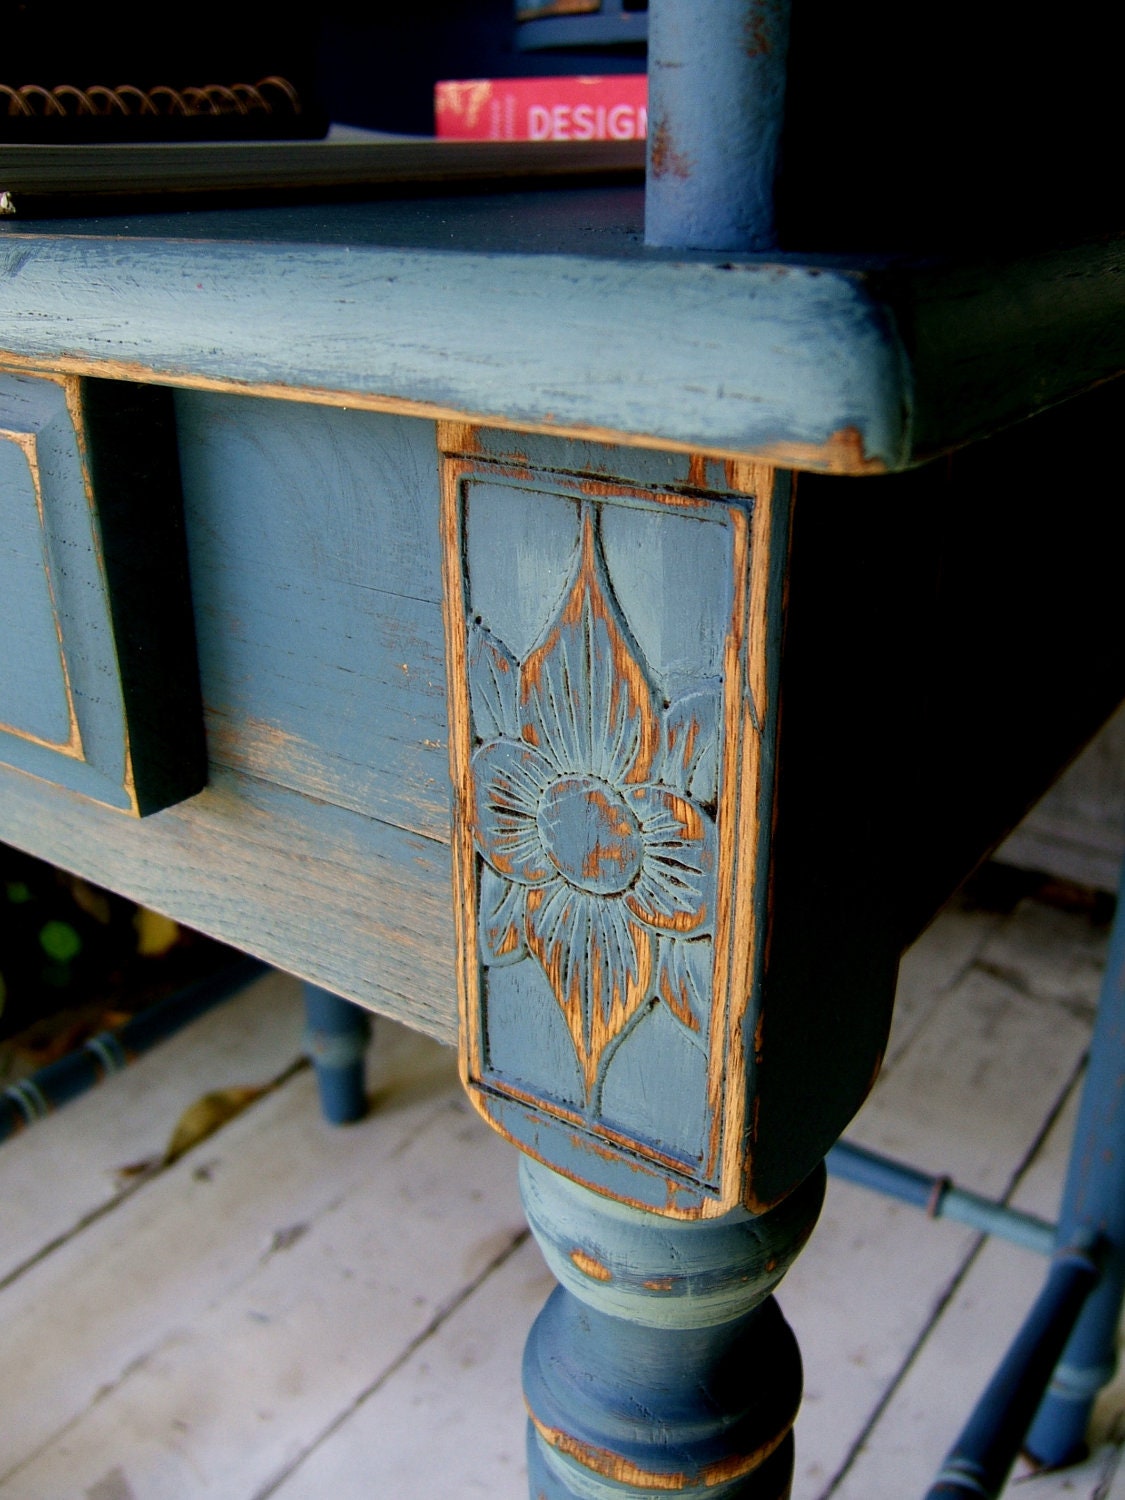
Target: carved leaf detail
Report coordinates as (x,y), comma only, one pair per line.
(493,679)
(598,858)
(501,921)
(685,982)
(584,697)
(691,744)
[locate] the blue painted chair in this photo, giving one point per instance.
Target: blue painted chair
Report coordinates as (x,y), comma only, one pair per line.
(1067,1346)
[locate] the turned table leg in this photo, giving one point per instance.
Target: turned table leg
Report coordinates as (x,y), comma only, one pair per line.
(336,1036)
(661,1362)
(668,1018)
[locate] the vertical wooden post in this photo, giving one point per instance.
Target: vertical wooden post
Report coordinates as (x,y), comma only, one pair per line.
(661,1362)
(336,1036)
(716,105)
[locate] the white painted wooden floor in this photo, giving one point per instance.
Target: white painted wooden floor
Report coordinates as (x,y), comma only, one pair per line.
(300,1313)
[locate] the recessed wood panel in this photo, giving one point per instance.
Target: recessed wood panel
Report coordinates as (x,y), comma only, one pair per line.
(35,699)
(608,700)
(98,684)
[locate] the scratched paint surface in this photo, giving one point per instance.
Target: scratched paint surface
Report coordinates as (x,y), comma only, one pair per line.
(34,699)
(596,632)
(769,359)
(57,582)
(597,861)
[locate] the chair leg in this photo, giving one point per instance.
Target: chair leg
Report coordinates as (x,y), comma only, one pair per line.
(336,1036)
(1093,1202)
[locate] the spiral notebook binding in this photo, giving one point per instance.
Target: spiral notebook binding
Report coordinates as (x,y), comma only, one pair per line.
(269,96)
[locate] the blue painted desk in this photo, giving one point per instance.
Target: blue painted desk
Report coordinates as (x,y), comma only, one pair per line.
(690,571)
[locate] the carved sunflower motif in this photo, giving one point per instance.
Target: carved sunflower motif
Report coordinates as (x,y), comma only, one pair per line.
(599,857)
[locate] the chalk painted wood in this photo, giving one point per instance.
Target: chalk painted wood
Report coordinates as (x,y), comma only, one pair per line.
(661,1362)
(1093,1204)
(606,756)
(313,541)
(72,1164)
(350,903)
(337,1033)
(99,690)
(453,308)
(707,186)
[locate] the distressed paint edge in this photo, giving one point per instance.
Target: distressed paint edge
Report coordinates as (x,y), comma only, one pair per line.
(619,1470)
(460,746)
(747,671)
(774,594)
(74,394)
(843,452)
(72,746)
(628,1180)
(752,672)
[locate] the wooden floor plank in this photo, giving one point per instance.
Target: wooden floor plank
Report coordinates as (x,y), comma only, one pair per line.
(940,1387)
(966,1096)
(983,1073)
(932,967)
(1041,953)
(69,1166)
(304,1327)
(296,1312)
(83,1324)
(461,1389)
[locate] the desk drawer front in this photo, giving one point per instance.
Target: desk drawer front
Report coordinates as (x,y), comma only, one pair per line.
(98,685)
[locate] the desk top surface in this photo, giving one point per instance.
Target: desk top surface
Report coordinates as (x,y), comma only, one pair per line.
(544,310)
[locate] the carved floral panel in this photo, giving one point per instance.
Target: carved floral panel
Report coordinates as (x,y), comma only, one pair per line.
(602,727)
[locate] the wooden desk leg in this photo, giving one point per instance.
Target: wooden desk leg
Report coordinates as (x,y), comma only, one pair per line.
(1093,1200)
(336,1036)
(661,1363)
(671,1035)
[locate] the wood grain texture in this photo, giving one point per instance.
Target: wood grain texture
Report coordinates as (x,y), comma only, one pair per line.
(350,903)
(605,757)
(100,687)
(312,537)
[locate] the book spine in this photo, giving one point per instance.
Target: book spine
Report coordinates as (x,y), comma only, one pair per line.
(607,108)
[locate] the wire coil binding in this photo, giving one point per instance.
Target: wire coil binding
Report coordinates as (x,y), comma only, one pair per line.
(269,96)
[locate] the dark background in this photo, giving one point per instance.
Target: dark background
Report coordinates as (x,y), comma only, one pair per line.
(907,125)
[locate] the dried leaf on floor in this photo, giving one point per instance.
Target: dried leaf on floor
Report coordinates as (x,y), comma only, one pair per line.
(208,1114)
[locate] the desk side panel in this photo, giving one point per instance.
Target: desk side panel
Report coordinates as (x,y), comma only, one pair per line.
(350,903)
(953,638)
(313,544)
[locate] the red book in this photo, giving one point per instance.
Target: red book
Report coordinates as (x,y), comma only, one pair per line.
(609,108)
